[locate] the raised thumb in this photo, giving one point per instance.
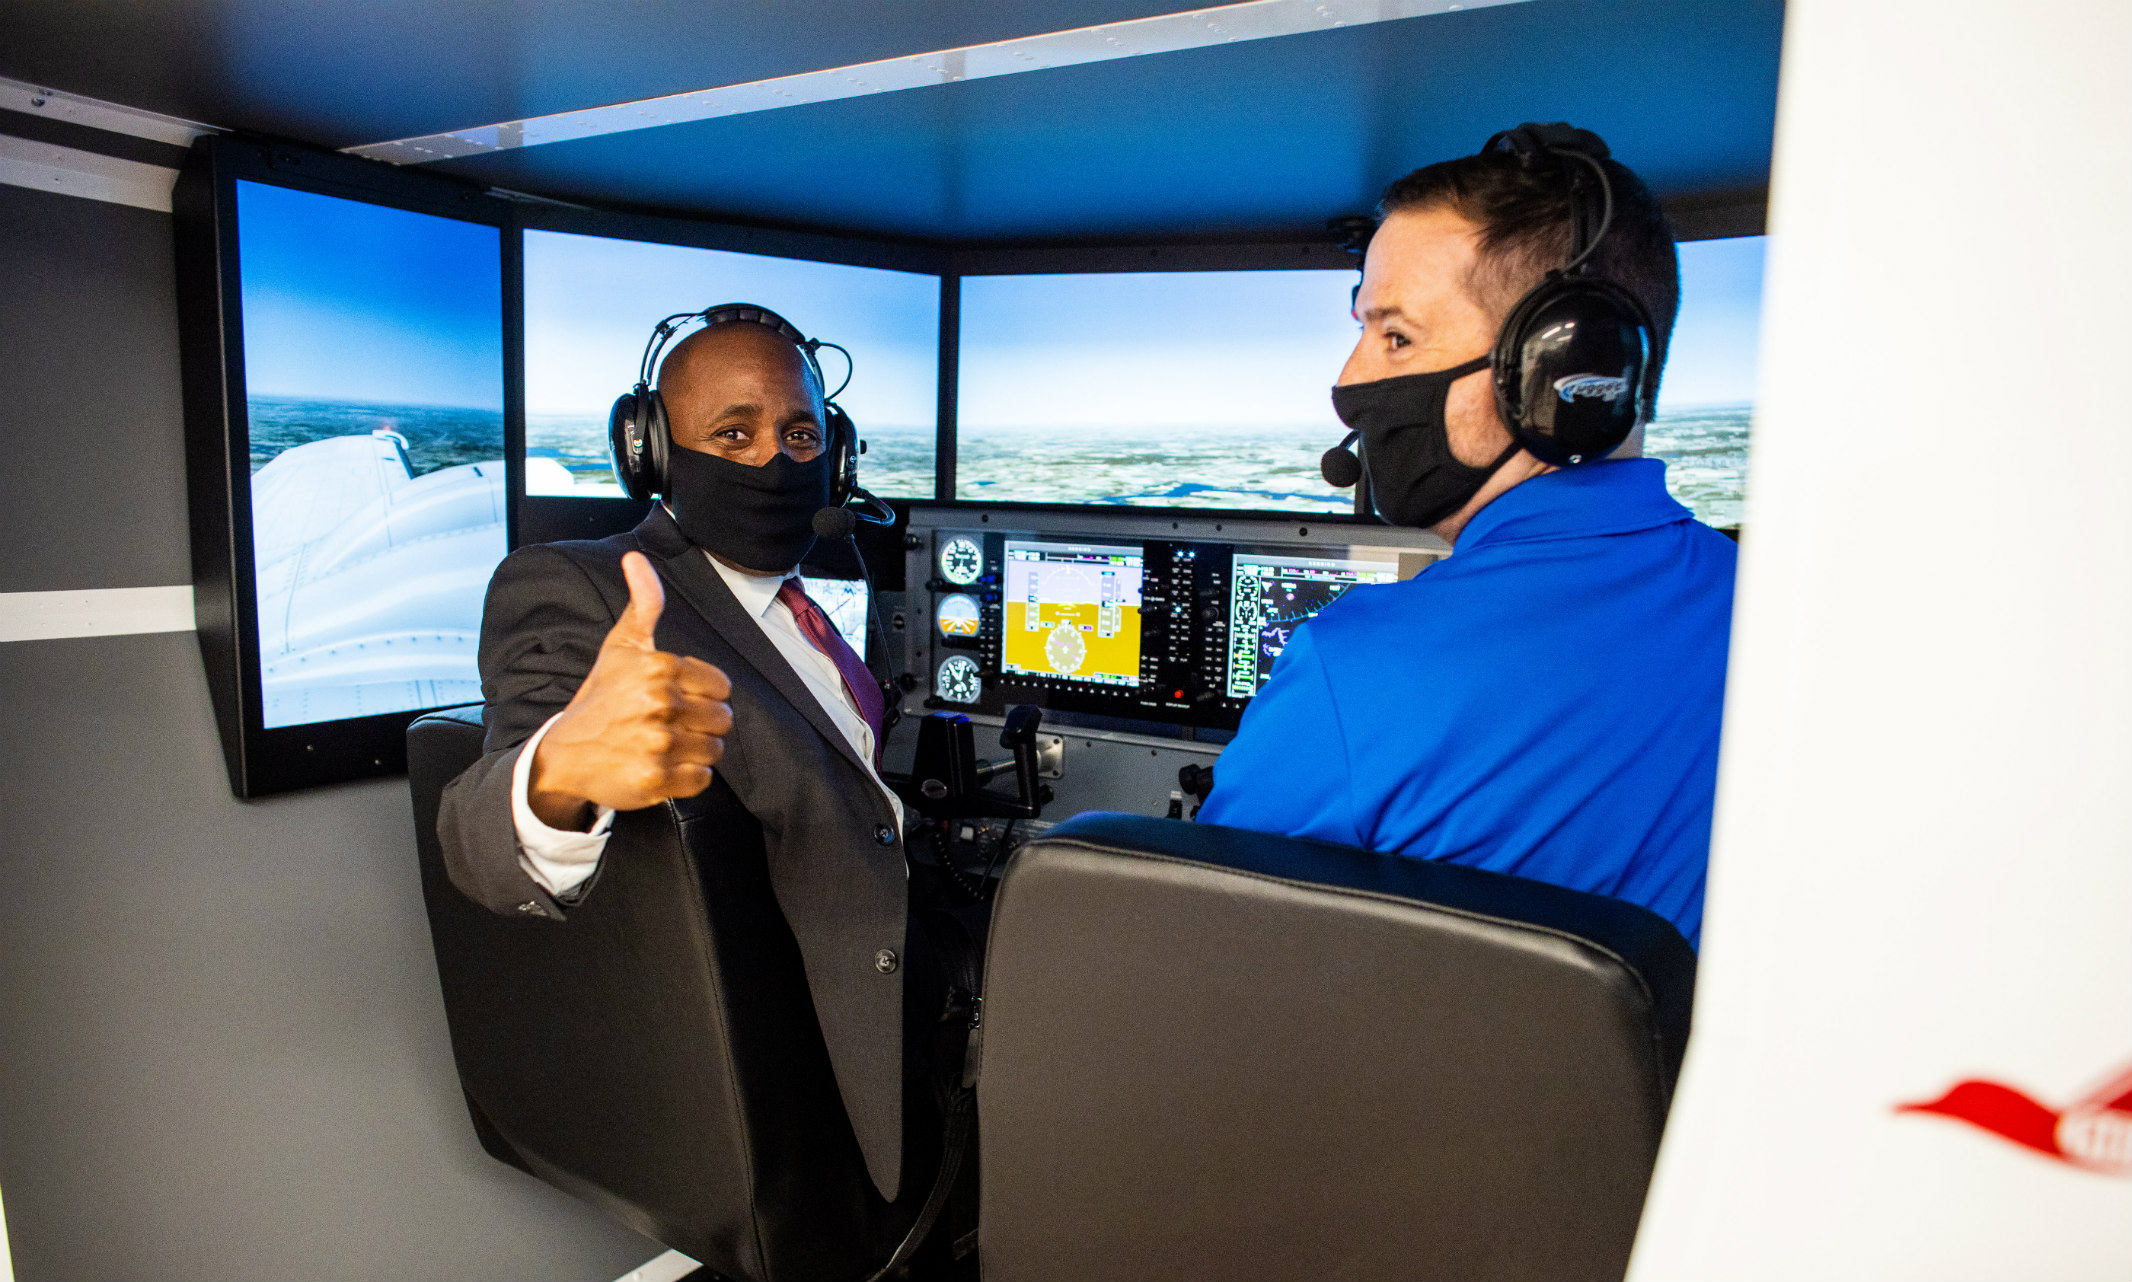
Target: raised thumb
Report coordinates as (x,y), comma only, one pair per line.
(647,600)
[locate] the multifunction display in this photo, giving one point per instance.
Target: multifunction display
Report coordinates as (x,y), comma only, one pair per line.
(1073,612)
(1271,595)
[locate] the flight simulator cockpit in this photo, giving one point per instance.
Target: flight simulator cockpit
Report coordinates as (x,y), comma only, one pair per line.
(971,643)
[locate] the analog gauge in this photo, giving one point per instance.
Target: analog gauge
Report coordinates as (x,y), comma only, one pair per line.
(957,680)
(958,616)
(961,560)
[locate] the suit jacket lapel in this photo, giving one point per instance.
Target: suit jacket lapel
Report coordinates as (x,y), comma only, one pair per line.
(684,565)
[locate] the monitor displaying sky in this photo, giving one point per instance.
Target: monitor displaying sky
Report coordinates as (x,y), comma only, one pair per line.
(591,302)
(1163,389)
(373,357)
(1706,399)
(1212,389)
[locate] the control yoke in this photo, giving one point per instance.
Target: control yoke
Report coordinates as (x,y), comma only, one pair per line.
(947,781)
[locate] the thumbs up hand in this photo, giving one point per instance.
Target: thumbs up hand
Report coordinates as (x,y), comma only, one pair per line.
(644,726)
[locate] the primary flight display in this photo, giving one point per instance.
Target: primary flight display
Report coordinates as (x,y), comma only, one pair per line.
(1073,612)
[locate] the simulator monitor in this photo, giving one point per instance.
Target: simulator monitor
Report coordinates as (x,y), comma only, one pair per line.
(591,302)
(1193,389)
(345,382)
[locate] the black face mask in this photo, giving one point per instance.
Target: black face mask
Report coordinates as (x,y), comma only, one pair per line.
(1406,447)
(760,518)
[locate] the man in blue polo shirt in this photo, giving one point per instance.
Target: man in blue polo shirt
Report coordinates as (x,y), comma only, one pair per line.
(1546,701)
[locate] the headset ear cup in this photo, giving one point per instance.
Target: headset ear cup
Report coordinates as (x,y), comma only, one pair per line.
(1584,349)
(1507,363)
(658,443)
(625,444)
(843,454)
(637,442)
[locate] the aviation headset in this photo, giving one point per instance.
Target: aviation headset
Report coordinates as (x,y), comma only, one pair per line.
(640,441)
(1576,362)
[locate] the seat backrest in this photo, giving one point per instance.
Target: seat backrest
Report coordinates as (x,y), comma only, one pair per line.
(656,1053)
(1212,1053)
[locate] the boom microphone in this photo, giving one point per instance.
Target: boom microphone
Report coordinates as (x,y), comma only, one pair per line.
(1338,466)
(843,523)
(835,523)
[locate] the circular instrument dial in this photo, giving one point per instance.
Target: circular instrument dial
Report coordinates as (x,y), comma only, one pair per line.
(957,680)
(961,560)
(958,616)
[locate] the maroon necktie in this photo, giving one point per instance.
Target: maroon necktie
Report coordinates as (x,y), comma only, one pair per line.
(823,635)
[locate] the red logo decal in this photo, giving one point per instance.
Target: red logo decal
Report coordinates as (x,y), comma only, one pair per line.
(2094,1132)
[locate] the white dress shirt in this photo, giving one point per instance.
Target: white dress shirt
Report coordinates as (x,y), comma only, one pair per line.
(560,861)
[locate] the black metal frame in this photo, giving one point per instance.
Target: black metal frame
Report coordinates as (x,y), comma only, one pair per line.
(218,442)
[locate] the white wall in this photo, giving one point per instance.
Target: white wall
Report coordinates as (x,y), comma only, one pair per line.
(1922,870)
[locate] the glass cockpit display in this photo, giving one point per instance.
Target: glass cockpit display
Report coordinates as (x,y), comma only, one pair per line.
(1271,595)
(1173,631)
(1073,612)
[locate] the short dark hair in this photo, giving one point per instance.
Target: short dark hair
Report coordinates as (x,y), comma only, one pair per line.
(1522,210)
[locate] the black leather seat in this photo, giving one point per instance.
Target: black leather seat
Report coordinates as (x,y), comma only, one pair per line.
(1211,1053)
(657,1053)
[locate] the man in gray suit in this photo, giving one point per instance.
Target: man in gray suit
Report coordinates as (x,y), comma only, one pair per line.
(683,658)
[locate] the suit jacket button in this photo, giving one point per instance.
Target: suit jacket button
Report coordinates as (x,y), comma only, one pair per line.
(533,906)
(885,835)
(885,961)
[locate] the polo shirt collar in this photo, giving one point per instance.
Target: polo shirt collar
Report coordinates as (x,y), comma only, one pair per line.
(1620,496)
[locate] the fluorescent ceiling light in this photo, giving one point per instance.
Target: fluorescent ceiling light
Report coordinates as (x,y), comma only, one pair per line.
(1164,33)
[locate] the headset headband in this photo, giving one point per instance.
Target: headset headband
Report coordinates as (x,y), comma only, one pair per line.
(1530,142)
(736,314)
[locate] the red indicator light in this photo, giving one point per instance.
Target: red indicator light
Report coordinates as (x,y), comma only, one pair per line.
(1180,694)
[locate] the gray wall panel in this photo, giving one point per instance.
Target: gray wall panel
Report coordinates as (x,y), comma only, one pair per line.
(93,491)
(222,1049)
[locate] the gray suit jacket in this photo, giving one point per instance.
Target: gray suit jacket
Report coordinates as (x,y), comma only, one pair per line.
(835,860)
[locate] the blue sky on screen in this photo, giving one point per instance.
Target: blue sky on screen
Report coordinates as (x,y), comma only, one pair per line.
(1718,336)
(592,301)
(1261,349)
(347,301)
(1185,349)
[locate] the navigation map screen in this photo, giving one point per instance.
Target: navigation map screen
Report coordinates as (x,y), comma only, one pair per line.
(1073,612)
(1271,595)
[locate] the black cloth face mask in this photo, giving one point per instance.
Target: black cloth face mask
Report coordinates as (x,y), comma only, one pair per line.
(1406,446)
(759,518)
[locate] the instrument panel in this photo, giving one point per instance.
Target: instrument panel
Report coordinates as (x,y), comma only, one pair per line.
(1145,618)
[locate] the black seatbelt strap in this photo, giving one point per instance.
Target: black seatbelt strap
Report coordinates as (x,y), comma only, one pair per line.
(961,1112)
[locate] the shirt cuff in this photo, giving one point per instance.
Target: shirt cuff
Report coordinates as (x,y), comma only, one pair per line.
(558,861)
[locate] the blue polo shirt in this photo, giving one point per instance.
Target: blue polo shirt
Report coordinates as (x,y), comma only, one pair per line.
(1545,702)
